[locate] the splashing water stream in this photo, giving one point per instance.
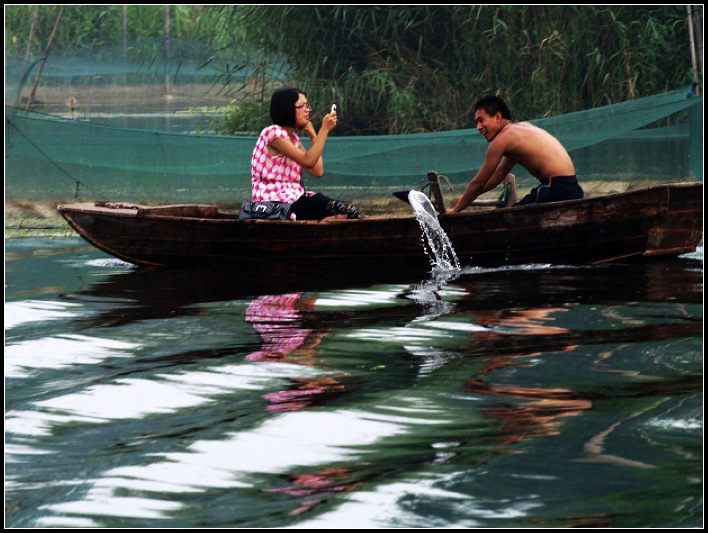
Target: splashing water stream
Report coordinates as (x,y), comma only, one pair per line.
(443,254)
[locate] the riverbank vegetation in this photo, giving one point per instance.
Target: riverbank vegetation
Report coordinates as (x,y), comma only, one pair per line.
(398,69)
(418,68)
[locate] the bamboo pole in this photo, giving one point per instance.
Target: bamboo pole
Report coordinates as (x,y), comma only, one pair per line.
(694,26)
(167,49)
(698,22)
(30,99)
(125,34)
(33,24)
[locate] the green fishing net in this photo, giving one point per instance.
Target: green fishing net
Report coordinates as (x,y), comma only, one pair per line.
(78,154)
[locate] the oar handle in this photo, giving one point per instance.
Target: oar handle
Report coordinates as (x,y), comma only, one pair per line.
(436,191)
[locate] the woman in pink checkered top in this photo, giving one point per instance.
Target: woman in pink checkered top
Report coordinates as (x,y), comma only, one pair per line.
(279,157)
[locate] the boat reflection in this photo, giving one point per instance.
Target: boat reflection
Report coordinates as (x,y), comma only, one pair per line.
(143,294)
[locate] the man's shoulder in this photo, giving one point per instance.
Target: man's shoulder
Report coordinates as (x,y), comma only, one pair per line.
(527,129)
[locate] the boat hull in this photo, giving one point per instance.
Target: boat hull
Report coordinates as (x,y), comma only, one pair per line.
(654,221)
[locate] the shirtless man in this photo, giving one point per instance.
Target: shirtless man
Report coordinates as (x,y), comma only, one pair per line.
(523,143)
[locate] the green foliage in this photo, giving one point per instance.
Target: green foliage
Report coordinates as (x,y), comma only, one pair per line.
(395,69)
(244,118)
(92,26)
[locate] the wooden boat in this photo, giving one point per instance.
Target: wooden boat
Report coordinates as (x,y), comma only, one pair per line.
(654,221)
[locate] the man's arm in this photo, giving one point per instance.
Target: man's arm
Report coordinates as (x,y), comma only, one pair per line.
(493,171)
(500,173)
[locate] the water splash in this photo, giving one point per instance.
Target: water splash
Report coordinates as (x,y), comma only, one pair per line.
(443,254)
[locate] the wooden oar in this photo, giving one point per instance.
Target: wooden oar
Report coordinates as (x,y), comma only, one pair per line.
(507,198)
(435,189)
(402,195)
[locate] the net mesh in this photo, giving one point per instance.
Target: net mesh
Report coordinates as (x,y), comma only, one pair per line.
(63,154)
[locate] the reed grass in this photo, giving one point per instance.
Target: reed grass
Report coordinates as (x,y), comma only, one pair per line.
(402,69)
(398,68)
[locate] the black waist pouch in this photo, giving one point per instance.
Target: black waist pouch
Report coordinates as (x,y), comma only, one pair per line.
(264,211)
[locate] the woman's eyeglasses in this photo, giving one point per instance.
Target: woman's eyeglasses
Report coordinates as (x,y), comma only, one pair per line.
(306,107)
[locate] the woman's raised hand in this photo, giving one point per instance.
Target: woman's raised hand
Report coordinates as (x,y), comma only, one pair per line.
(329,122)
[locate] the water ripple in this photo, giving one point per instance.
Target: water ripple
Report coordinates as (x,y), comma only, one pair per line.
(61,351)
(22,313)
(134,399)
(280,444)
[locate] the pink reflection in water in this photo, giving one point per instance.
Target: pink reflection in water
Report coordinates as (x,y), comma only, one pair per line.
(278,320)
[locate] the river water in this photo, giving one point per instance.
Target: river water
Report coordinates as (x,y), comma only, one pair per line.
(532,396)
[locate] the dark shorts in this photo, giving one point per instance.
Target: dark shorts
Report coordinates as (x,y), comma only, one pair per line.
(318,206)
(555,189)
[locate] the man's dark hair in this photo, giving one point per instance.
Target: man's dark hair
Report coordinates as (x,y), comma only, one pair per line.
(282,106)
(492,105)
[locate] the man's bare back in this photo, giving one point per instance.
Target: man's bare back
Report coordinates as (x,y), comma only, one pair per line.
(536,150)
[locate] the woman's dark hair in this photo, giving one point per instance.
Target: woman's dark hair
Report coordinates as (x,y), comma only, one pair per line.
(492,105)
(282,106)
